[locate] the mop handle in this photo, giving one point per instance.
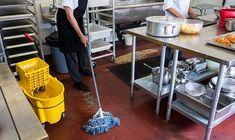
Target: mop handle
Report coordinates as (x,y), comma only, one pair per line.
(93,76)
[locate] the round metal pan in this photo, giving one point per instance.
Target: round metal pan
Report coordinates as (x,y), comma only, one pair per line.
(162,26)
(228,84)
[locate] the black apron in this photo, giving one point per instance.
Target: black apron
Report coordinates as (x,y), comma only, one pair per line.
(68,38)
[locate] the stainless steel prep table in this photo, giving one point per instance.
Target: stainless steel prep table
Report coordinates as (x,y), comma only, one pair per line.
(195,44)
(18,120)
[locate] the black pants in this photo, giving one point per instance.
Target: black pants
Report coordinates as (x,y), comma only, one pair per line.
(169,56)
(76,61)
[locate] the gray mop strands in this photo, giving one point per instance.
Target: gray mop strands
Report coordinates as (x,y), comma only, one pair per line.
(100,123)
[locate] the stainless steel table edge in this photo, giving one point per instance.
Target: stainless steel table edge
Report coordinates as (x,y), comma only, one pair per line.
(139,32)
(203,56)
(27,124)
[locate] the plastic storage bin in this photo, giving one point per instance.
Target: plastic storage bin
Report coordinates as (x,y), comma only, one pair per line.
(34,73)
(47,104)
(99,31)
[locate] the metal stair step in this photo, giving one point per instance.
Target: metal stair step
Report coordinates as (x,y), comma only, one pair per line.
(13,61)
(16,43)
(23,51)
(12,34)
(16,24)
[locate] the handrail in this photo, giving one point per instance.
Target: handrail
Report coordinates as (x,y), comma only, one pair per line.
(138,5)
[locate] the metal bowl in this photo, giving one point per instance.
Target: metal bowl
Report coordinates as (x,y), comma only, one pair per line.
(228,84)
(230,24)
(191,26)
(181,65)
(230,72)
(194,89)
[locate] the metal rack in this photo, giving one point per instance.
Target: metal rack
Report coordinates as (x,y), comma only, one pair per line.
(200,48)
(99,30)
(18,17)
(3,57)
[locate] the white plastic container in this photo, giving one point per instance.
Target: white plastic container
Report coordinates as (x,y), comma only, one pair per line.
(98,31)
(97,3)
(128,39)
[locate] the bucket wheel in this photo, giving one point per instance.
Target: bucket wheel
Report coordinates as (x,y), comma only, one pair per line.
(63,115)
(43,125)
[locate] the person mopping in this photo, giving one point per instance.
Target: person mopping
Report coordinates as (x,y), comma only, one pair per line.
(74,45)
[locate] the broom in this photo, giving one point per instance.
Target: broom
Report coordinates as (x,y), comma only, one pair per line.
(102,121)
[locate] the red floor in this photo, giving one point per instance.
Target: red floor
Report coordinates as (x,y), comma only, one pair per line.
(137,115)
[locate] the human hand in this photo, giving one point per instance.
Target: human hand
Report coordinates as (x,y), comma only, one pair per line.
(84,40)
(192,16)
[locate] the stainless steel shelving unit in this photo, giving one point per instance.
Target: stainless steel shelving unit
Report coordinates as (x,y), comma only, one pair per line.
(197,45)
(18,17)
(99,30)
(3,57)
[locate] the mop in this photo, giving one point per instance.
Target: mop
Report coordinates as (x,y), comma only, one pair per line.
(102,121)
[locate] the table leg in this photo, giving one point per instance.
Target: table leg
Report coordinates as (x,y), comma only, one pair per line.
(133,65)
(162,65)
(215,101)
(172,86)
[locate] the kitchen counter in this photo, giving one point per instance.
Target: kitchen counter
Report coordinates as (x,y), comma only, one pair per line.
(196,44)
(18,120)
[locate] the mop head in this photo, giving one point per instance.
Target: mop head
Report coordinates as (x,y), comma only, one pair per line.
(100,124)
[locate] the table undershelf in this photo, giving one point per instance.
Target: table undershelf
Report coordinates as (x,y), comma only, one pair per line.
(196,117)
(147,84)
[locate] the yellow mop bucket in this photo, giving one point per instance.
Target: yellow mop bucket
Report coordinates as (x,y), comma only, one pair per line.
(44,92)
(48,104)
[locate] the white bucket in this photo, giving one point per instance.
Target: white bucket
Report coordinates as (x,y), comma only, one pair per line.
(128,39)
